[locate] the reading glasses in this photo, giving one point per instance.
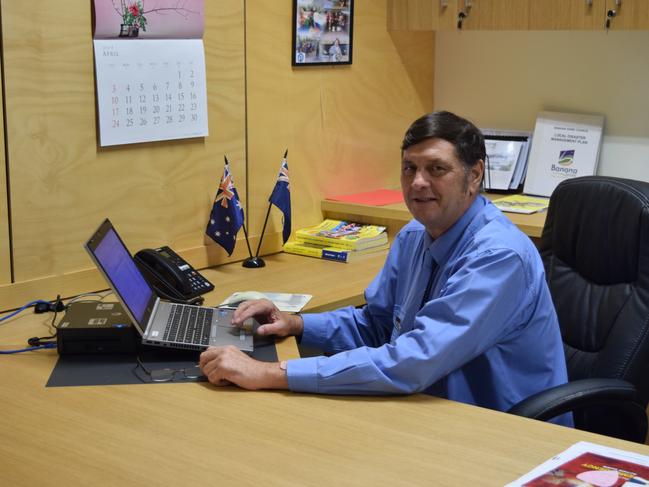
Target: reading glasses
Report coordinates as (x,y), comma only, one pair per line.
(170,375)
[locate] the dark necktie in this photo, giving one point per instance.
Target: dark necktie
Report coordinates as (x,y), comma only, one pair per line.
(431,277)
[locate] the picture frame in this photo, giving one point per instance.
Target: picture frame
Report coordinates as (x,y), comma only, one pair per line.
(322,32)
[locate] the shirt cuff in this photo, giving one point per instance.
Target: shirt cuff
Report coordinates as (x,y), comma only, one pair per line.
(313,330)
(302,374)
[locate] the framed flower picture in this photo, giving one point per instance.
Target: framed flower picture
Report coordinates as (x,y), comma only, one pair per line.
(322,32)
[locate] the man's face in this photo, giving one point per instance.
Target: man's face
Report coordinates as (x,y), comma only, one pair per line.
(436,186)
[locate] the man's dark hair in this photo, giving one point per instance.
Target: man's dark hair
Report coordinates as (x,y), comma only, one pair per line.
(465,137)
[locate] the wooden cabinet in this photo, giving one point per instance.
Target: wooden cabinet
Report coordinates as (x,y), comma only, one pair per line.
(567,14)
(422,14)
(494,14)
(518,14)
(628,14)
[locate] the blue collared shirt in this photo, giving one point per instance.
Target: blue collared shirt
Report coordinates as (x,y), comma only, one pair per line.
(487,333)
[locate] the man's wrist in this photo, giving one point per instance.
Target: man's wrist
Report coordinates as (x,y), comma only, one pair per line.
(277,375)
(297,324)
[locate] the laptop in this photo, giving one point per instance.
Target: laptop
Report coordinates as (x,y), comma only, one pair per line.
(159,322)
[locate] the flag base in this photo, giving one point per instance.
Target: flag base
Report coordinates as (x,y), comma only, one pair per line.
(254,262)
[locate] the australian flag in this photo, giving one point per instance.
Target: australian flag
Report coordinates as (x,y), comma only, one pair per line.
(226,217)
(281,197)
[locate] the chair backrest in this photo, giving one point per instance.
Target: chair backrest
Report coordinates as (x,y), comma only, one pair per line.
(595,248)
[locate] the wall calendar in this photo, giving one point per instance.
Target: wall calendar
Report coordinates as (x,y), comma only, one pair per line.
(150,70)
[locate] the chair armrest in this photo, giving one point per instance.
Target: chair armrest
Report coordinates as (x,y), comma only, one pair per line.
(582,393)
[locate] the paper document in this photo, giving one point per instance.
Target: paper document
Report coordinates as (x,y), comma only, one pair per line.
(288,302)
(520,203)
(589,464)
(565,146)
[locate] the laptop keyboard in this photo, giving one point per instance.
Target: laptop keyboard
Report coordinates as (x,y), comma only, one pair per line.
(189,324)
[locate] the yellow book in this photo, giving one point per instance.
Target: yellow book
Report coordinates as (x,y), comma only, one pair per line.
(520,203)
(329,253)
(343,235)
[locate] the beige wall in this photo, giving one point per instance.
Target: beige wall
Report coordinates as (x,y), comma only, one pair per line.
(342,125)
(503,79)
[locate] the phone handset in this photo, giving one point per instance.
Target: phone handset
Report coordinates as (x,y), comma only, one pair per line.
(168,272)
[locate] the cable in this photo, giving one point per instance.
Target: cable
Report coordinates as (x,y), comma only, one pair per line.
(197,300)
(38,341)
(24,307)
(101,297)
(30,349)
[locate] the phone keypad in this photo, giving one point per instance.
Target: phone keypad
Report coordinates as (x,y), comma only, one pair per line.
(198,283)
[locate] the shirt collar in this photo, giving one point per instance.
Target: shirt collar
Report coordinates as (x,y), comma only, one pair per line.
(442,245)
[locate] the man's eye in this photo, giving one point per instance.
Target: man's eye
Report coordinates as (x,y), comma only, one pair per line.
(408,169)
(438,170)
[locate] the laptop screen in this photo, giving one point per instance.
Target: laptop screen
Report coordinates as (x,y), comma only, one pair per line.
(113,258)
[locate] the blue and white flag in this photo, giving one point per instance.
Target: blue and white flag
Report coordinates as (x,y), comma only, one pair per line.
(226,217)
(281,197)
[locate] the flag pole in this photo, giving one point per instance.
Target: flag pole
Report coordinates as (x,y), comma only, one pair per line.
(263,230)
(245,233)
(256,261)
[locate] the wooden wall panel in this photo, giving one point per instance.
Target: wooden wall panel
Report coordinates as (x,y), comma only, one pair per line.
(63,184)
(5,261)
(342,125)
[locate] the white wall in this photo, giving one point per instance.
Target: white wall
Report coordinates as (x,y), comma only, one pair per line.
(503,79)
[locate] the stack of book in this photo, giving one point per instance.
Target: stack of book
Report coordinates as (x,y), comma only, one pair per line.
(338,240)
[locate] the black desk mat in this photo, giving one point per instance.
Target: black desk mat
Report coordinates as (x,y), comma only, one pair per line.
(102,370)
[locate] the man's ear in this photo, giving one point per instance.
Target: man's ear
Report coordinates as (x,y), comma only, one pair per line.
(475,177)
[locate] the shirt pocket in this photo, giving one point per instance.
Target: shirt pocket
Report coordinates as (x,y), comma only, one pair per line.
(397,322)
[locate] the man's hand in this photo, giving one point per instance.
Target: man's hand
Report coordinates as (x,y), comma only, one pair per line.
(273,321)
(229,365)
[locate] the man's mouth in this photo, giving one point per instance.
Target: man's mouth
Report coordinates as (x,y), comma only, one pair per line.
(423,199)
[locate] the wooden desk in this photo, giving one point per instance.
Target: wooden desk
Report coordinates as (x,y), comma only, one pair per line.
(396,215)
(196,434)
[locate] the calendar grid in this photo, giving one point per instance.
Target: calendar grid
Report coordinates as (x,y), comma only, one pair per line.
(150,90)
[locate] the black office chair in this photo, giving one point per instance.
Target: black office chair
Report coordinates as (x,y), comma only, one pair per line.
(595,248)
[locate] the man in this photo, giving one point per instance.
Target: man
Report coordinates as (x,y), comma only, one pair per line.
(460,309)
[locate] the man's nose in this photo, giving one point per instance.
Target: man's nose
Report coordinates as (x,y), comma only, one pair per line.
(420,180)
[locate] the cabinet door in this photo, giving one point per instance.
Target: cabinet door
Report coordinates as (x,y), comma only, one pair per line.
(495,14)
(629,14)
(422,14)
(567,14)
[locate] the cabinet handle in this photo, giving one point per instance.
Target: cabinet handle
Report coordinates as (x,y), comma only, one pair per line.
(609,15)
(460,18)
(443,3)
(589,3)
(468,4)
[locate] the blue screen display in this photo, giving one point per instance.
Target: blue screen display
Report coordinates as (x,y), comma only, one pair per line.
(122,272)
